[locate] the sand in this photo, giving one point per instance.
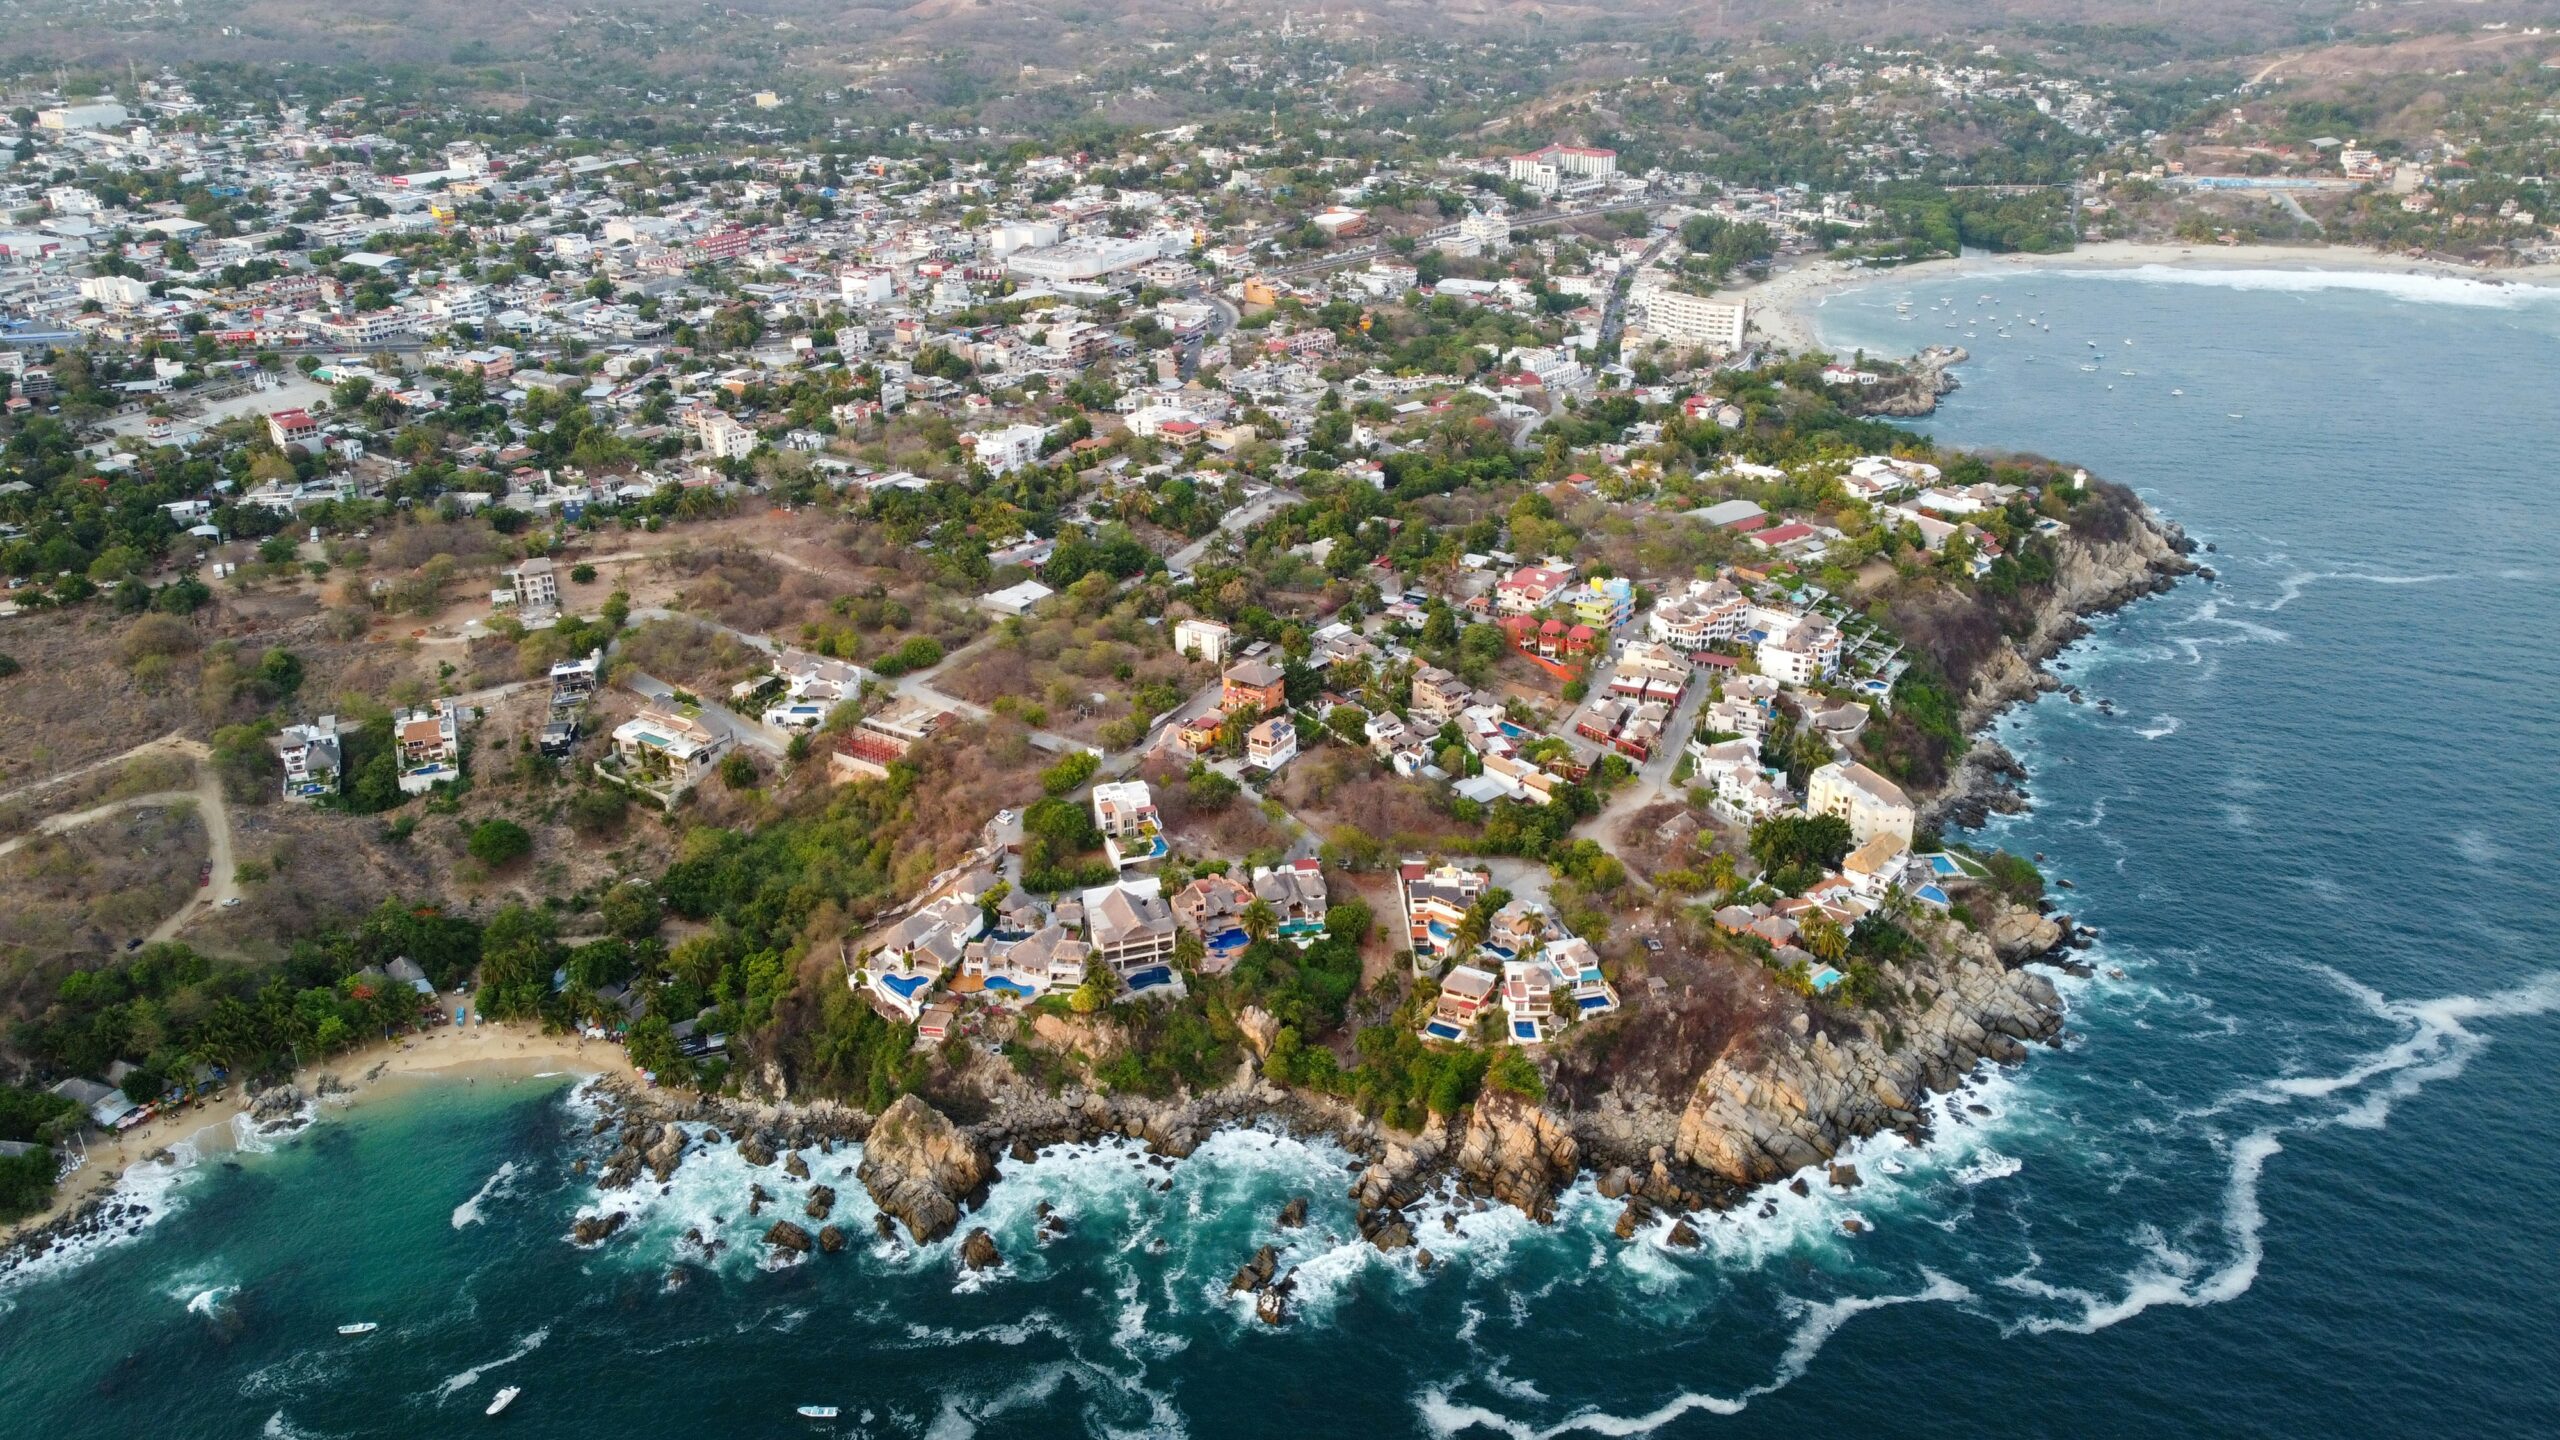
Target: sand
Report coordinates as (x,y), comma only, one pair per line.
(502,1048)
(1782,307)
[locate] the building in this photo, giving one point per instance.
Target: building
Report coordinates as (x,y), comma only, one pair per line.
(1202,640)
(667,752)
(1255,687)
(430,744)
(1297,895)
(1272,743)
(1133,932)
(1870,803)
(120,292)
(1464,993)
(1006,450)
(1806,652)
(1436,900)
(313,764)
(536,584)
(1212,907)
(292,427)
(1874,868)
(99,115)
(866,751)
(1605,604)
(722,437)
(1437,696)
(1528,589)
(1692,321)
(1708,613)
(1555,168)
(1125,812)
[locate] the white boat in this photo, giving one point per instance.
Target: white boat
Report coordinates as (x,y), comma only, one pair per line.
(361,1327)
(818,1412)
(2092,369)
(2236,415)
(504,1399)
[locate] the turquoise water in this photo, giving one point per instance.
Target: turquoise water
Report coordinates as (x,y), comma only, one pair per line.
(2287,1179)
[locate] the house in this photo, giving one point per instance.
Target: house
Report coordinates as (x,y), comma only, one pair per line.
(536,585)
(917,952)
(1133,932)
(1807,652)
(811,688)
(1436,899)
(1255,687)
(1271,743)
(1874,868)
(1125,812)
(1018,968)
(1296,893)
(1529,589)
(1015,599)
(866,751)
(1201,640)
(313,764)
(1464,992)
(430,744)
(1870,803)
(1212,907)
(1437,696)
(108,1107)
(667,752)
(1605,604)
(937,1023)
(1707,613)
(1006,450)
(292,427)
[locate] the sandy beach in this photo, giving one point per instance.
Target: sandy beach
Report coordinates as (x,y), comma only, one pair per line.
(501,1047)
(1783,306)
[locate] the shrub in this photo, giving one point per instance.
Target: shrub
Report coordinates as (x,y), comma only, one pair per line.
(1069,773)
(497,842)
(582,574)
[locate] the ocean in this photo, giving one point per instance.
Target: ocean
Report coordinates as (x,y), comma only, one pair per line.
(2288,1176)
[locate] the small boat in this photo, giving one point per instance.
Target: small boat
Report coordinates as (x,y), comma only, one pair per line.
(504,1399)
(818,1412)
(2177,392)
(361,1327)
(2235,415)
(2092,369)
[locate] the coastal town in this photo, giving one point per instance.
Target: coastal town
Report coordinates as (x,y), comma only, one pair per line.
(948,624)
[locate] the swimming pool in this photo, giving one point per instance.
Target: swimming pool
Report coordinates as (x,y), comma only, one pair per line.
(905,987)
(1150,977)
(1006,985)
(1442,1030)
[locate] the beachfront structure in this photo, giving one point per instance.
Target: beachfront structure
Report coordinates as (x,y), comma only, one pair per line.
(1806,651)
(1557,984)
(1201,640)
(1436,899)
(1464,993)
(1691,322)
(1125,812)
(313,763)
(1870,803)
(1876,867)
(430,744)
(1133,932)
(1011,967)
(915,955)
(1212,907)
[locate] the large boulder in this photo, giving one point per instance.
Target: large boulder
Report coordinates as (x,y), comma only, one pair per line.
(667,1153)
(919,1168)
(978,1252)
(822,1202)
(786,1236)
(753,1149)
(1519,1153)
(831,1239)
(596,1229)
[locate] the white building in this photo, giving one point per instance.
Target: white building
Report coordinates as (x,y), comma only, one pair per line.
(1556,167)
(722,437)
(1008,449)
(119,291)
(1691,321)
(1125,812)
(102,115)
(1870,803)
(312,762)
(1201,640)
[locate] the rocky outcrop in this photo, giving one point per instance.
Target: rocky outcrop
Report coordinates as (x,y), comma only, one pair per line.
(596,1229)
(822,1203)
(978,1251)
(2018,935)
(920,1168)
(786,1236)
(754,1150)
(1294,1214)
(279,1103)
(1519,1153)
(663,1157)
(1757,1118)
(1257,1272)
(831,1239)
(794,1166)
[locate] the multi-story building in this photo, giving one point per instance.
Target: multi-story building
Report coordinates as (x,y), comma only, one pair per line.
(430,744)
(313,764)
(1437,696)
(1605,604)
(1553,168)
(1201,640)
(1133,932)
(722,437)
(1706,614)
(1436,900)
(1255,687)
(866,751)
(1870,803)
(1692,321)
(1006,450)
(1125,812)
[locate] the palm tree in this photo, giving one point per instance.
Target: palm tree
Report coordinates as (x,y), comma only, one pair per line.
(1259,921)
(1823,936)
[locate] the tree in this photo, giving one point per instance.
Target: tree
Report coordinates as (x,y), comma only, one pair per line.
(738,772)
(496,842)
(1095,992)
(630,910)
(1823,936)
(1260,920)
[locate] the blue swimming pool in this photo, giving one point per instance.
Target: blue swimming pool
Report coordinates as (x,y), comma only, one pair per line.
(1825,978)
(1524,1029)
(1442,1030)
(1590,1003)
(1006,985)
(905,987)
(1150,977)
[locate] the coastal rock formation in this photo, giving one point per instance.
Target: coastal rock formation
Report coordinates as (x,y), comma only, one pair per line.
(822,1203)
(831,1239)
(1757,1118)
(1257,1272)
(794,1166)
(919,1167)
(1519,1152)
(281,1102)
(978,1251)
(668,1153)
(596,1229)
(754,1150)
(1294,1214)
(786,1236)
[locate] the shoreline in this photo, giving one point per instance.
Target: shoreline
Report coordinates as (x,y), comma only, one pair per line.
(1785,307)
(343,1081)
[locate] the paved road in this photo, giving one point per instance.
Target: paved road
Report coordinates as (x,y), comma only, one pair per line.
(1242,518)
(744,730)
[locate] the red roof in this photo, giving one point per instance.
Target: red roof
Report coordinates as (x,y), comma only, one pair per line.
(1578,632)
(1552,627)
(1748,524)
(1783,535)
